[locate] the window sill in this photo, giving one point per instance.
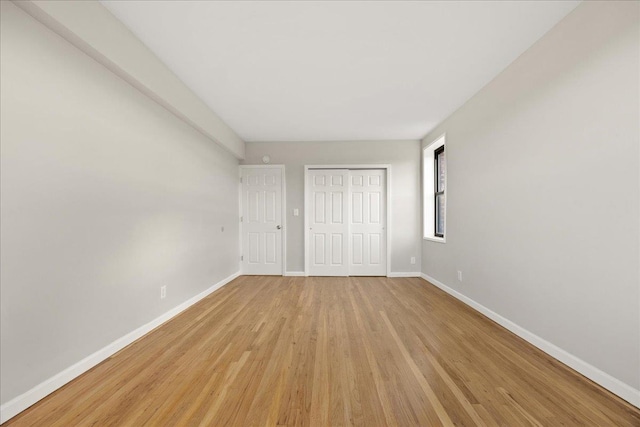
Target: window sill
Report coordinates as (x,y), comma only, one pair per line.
(436,239)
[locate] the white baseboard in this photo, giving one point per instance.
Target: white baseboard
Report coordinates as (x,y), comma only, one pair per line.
(294,273)
(22,402)
(612,384)
(393,274)
(404,274)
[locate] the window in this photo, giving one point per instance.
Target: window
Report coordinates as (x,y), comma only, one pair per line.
(434,173)
(439,199)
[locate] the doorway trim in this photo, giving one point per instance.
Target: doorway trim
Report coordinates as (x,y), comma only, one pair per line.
(284,212)
(386,167)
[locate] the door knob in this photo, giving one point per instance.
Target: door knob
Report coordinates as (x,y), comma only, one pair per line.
(278,227)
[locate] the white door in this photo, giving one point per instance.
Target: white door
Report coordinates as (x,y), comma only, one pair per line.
(367,223)
(327,222)
(262,221)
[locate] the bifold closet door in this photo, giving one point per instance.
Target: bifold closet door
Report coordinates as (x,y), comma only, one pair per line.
(327,222)
(367,223)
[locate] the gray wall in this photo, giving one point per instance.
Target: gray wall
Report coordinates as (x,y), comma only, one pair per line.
(404,157)
(105,196)
(543,190)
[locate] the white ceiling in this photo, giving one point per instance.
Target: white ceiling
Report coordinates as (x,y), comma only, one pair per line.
(298,71)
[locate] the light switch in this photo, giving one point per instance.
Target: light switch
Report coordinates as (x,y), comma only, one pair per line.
(296,212)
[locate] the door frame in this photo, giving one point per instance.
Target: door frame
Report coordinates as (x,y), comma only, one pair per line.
(386,167)
(284,211)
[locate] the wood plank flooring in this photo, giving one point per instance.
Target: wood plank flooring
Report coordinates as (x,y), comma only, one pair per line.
(293,351)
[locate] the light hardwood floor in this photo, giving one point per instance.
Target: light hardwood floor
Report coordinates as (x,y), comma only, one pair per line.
(330,351)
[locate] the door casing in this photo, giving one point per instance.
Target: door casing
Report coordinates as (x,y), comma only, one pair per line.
(284,212)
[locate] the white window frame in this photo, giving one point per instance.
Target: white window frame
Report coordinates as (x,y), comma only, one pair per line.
(428,190)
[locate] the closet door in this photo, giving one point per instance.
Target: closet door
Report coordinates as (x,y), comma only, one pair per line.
(367,222)
(327,216)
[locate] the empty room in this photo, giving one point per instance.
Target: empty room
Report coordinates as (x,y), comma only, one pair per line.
(319,213)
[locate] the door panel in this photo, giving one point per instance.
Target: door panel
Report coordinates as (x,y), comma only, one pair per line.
(319,207)
(336,208)
(319,249)
(262,215)
(254,247)
(374,208)
(367,226)
(374,249)
(271,248)
(328,228)
(336,249)
(357,248)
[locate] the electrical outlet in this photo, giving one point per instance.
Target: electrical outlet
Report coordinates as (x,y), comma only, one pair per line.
(459,276)
(296,212)
(163,292)
(413,260)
